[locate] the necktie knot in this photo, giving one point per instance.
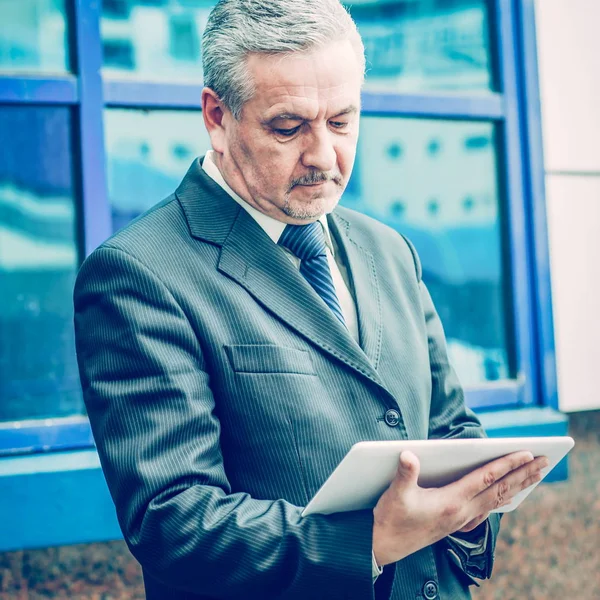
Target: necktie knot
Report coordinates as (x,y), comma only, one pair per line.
(304,241)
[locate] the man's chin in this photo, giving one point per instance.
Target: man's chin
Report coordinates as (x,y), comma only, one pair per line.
(310,211)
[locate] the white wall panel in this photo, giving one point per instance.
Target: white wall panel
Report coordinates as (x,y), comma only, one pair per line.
(569,68)
(574,237)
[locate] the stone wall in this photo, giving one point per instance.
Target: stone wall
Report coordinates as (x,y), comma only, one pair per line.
(548,548)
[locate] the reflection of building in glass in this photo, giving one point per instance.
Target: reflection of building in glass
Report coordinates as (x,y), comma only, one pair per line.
(30,31)
(148,155)
(435,182)
(425,45)
(156,40)
(38,261)
(410,44)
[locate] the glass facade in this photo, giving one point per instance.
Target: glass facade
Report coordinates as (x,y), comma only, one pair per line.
(427,45)
(449,180)
(154,40)
(33,36)
(38,263)
(436,182)
(148,153)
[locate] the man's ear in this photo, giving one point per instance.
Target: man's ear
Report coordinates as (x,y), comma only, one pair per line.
(213,111)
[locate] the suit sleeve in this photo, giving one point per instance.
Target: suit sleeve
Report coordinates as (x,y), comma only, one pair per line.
(450,418)
(154,419)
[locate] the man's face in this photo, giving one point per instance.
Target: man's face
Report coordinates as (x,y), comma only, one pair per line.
(291,153)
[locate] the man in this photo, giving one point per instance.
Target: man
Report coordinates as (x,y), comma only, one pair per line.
(236,340)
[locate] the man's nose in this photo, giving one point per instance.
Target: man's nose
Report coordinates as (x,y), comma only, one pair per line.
(320,152)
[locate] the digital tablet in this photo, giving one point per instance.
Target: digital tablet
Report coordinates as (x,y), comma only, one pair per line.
(369,467)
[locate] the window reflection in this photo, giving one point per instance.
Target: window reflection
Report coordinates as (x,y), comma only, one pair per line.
(33,36)
(38,262)
(426,45)
(154,39)
(411,45)
(435,182)
(148,154)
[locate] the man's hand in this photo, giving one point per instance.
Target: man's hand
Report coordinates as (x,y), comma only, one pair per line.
(409,517)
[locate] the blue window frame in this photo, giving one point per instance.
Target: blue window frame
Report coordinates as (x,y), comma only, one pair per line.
(508,100)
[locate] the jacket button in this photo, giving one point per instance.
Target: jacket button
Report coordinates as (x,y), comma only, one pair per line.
(392,417)
(430,590)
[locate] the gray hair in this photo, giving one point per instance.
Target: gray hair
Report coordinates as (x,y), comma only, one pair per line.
(237,28)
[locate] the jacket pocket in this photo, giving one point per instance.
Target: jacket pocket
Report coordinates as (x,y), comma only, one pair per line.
(262,358)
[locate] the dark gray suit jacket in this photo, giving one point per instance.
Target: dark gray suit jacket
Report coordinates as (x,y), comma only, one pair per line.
(222,392)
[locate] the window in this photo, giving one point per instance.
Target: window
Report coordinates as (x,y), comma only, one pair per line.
(426,46)
(38,263)
(436,182)
(183,37)
(442,158)
(119,52)
(162,39)
(33,36)
(148,153)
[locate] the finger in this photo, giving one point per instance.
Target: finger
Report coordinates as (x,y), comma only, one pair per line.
(503,491)
(408,470)
(481,479)
(523,486)
(473,524)
(531,480)
(519,479)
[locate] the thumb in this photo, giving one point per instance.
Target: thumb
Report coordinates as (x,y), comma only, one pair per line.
(408,469)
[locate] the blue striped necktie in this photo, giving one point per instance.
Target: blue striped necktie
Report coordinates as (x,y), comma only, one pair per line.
(307,242)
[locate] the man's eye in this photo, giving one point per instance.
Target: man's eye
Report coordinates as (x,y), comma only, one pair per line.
(338,124)
(287,132)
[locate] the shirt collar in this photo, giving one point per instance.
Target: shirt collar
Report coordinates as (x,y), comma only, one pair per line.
(272,227)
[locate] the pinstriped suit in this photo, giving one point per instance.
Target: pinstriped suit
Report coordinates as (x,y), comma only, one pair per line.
(222,392)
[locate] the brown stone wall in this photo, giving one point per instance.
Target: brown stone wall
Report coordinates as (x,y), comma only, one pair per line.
(548,549)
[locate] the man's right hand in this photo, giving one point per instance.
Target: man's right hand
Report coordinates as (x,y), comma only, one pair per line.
(408,517)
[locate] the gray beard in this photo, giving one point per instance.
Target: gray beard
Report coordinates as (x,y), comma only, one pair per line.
(302,214)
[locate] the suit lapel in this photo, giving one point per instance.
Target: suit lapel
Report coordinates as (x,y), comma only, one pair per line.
(361,268)
(249,257)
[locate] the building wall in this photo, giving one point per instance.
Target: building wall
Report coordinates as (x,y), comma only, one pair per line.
(569,69)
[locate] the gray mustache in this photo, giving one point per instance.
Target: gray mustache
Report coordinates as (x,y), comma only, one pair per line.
(316,177)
